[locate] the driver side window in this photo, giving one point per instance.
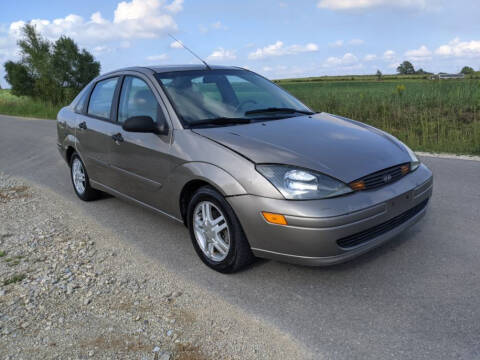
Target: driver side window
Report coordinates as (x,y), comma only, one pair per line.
(137,99)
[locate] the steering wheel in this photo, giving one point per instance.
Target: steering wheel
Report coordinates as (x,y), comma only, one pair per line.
(243,103)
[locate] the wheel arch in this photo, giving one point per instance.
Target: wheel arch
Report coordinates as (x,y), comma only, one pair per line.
(195,175)
(69,153)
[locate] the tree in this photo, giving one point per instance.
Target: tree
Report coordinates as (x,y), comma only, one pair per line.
(19,78)
(467,70)
(51,72)
(422,72)
(379,75)
(406,68)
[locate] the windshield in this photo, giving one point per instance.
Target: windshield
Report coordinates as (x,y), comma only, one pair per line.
(202,96)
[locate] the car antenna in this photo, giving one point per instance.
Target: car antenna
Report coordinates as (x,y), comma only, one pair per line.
(190,51)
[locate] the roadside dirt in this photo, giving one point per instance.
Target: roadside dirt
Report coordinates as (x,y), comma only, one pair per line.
(70,289)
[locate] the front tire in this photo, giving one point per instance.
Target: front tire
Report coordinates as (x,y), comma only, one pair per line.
(216,233)
(81,181)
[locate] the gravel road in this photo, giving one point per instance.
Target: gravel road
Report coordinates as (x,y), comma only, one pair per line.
(414,298)
(69,289)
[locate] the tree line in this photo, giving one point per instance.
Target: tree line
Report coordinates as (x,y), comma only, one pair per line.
(50,71)
(406,68)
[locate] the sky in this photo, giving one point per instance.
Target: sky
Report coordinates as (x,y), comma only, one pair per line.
(278,39)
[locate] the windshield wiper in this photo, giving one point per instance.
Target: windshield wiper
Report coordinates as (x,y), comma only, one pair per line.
(276,109)
(220,121)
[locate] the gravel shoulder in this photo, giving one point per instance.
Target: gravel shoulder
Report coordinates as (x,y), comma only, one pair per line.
(71,289)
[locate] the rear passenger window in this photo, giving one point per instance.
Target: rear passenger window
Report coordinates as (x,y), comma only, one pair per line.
(100,103)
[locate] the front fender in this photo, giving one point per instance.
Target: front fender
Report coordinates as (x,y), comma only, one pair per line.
(217,177)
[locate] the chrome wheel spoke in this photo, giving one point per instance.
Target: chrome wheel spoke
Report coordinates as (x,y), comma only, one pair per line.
(221,246)
(210,249)
(211,231)
(220,227)
(207,212)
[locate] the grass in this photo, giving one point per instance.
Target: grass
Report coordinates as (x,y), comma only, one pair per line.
(14,279)
(436,116)
(2,253)
(25,106)
(14,261)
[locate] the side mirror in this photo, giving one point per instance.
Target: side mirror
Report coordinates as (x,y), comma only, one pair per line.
(143,124)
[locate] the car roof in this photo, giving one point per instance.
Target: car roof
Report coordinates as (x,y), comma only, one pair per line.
(170,68)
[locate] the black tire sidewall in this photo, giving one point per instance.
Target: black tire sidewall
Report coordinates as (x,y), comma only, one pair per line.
(229,264)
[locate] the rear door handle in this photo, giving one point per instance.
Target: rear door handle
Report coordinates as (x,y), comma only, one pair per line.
(83,125)
(118,138)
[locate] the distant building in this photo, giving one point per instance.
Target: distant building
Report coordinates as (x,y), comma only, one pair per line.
(445,76)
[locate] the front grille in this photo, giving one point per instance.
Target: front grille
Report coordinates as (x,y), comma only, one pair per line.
(382,177)
(373,232)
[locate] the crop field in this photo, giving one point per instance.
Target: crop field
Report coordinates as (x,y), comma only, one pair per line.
(25,106)
(437,116)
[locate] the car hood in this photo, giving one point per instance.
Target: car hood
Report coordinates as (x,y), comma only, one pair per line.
(336,146)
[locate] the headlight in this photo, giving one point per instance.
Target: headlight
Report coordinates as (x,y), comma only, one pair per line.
(299,184)
(414,163)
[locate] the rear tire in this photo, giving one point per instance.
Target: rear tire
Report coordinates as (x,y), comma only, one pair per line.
(226,250)
(81,181)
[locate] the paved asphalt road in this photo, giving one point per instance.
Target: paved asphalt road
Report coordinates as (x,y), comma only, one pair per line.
(418,297)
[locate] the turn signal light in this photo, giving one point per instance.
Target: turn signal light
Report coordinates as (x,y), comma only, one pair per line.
(405,169)
(358,185)
(278,219)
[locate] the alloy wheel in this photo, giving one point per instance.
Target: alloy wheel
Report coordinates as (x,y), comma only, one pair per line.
(211,231)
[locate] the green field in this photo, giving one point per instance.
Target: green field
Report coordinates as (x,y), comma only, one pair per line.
(437,116)
(24,106)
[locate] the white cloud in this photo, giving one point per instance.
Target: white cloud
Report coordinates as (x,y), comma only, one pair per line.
(283,71)
(389,55)
(217,25)
(222,54)
(278,49)
(134,19)
(393,65)
(159,57)
(356,42)
(346,60)
(338,43)
(366,4)
(370,57)
(422,53)
(175,7)
(176,45)
(459,48)
(102,49)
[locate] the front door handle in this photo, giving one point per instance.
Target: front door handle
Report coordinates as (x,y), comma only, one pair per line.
(118,138)
(83,125)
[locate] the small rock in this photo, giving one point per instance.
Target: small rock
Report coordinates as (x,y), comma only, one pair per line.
(69,289)
(87,301)
(169,333)
(165,356)
(156,349)
(91,353)
(176,294)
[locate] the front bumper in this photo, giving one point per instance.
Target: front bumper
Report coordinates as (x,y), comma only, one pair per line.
(315,226)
